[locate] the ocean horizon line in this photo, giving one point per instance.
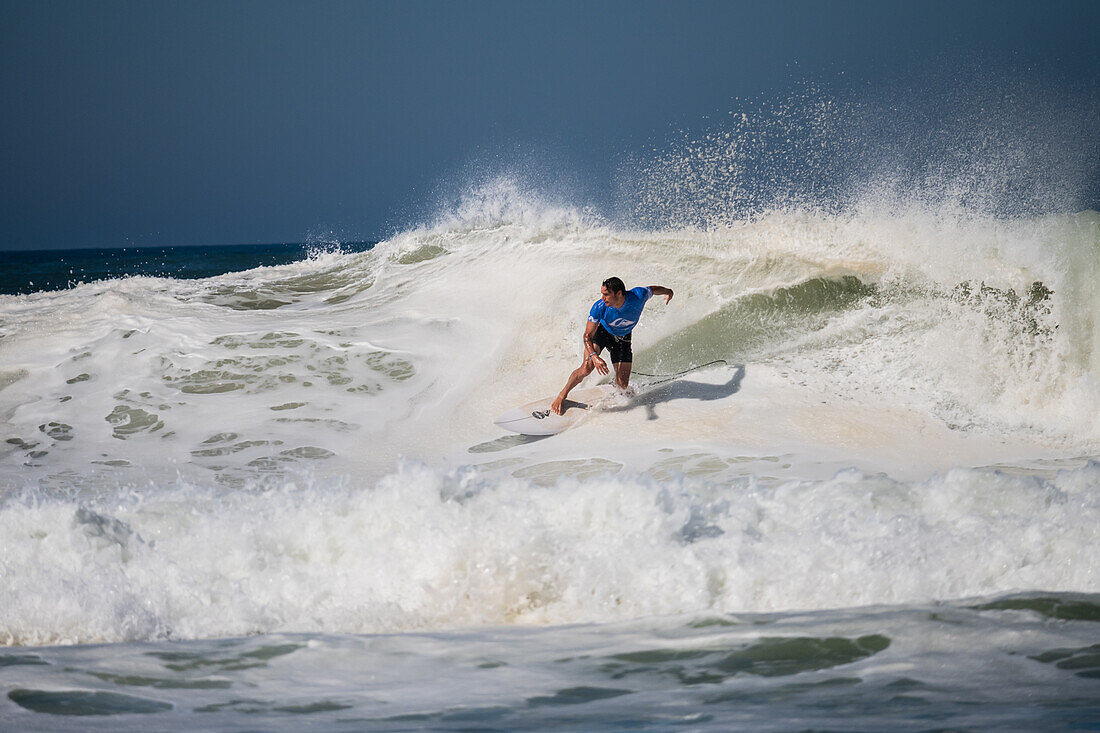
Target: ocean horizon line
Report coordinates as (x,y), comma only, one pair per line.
(144,247)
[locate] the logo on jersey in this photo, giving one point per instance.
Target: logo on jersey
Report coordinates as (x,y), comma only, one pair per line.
(620,323)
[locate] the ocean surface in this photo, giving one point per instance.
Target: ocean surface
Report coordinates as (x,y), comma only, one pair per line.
(245,494)
(31,271)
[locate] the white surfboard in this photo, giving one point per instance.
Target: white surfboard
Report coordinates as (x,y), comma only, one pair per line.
(536,418)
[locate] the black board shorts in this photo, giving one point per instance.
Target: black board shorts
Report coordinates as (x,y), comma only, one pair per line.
(618,346)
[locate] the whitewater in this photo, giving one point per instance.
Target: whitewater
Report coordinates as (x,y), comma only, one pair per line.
(279,492)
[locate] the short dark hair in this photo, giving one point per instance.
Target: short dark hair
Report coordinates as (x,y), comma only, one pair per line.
(615,285)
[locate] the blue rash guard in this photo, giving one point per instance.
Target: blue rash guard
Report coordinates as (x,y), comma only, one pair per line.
(621,321)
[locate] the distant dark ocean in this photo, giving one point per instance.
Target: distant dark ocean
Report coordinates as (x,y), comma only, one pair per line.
(58,269)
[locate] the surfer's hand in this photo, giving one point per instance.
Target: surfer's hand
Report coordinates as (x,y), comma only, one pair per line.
(601,365)
(668,295)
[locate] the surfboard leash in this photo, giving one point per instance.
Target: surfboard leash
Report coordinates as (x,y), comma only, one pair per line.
(669,377)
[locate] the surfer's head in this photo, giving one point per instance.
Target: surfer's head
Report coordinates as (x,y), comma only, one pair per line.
(614,285)
(613,292)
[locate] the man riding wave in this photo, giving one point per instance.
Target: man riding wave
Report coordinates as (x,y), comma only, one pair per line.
(610,322)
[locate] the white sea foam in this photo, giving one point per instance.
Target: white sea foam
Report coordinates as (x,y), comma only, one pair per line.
(410,347)
(427,549)
(157,431)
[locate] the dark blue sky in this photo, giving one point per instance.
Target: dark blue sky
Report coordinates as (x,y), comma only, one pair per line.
(179,123)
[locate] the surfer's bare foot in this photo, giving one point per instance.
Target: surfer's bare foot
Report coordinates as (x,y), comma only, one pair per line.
(555,406)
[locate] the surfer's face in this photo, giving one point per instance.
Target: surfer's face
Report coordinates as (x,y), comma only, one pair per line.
(612,299)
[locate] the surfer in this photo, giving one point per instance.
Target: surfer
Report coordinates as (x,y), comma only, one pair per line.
(610,322)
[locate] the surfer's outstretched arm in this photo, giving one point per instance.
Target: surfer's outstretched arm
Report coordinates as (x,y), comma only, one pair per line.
(661,290)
